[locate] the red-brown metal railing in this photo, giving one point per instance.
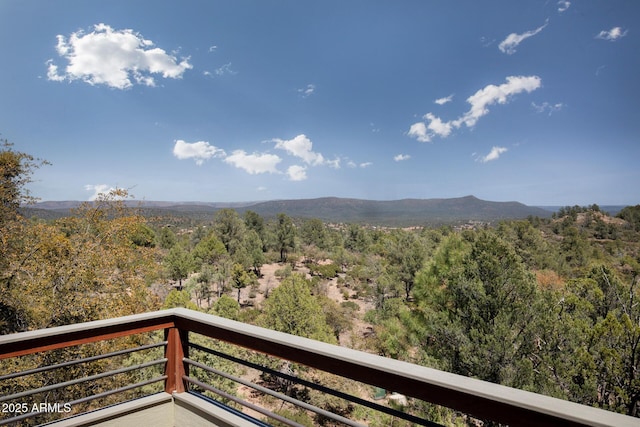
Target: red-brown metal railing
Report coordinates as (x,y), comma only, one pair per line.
(479,399)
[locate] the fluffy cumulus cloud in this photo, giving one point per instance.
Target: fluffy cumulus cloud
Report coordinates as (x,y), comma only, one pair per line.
(437,126)
(512,41)
(492,94)
(612,35)
(297,173)
(301,147)
(116,58)
(255,163)
(494,154)
(97,190)
(480,102)
(199,151)
(419,131)
(401,157)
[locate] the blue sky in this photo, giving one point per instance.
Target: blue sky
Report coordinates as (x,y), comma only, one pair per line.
(532,101)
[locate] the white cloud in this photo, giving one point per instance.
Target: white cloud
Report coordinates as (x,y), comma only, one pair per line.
(116,58)
(419,131)
(480,102)
(97,190)
(225,69)
(52,72)
(335,163)
(437,126)
(363,165)
(307,91)
(442,101)
(563,5)
(493,94)
(213,48)
(494,154)
(401,157)
(257,163)
(546,107)
(612,35)
(200,151)
(254,163)
(301,147)
(512,41)
(297,173)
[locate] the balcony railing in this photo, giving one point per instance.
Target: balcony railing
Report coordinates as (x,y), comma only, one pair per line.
(179,375)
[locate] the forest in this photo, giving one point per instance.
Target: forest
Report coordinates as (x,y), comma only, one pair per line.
(548,305)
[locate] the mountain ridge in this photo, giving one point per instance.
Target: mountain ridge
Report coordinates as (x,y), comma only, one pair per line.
(408,211)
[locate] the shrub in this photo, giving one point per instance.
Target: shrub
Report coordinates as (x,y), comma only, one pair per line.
(350,305)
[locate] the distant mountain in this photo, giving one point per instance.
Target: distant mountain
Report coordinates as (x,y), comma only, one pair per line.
(334,209)
(57,205)
(398,212)
(72,204)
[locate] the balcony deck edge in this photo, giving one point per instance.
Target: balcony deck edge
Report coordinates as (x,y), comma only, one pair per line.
(156,410)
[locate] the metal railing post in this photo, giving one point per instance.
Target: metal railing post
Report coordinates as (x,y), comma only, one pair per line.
(177,349)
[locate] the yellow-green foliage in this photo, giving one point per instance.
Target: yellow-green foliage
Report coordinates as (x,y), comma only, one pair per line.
(292,309)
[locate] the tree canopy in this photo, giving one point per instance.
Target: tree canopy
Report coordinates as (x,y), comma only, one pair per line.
(292,309)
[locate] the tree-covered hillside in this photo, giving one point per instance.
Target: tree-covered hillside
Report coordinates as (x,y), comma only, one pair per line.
(389,213)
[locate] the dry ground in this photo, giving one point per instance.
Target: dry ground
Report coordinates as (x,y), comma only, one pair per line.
(268,282)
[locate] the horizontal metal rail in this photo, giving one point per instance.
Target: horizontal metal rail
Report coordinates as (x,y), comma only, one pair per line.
(79,361)
(31,342)
(24,343)
(244,403)
(81,380)
(348,397)
(118,390)
(479,399)
(86,399)
(275,394)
